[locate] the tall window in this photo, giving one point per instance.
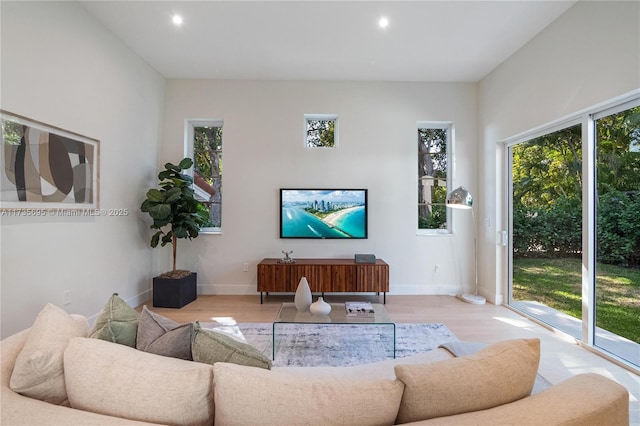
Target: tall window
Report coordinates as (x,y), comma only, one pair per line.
(433,161)
(321,130)
(205,147)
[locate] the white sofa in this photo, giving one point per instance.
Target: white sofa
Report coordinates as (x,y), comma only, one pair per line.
(112,384)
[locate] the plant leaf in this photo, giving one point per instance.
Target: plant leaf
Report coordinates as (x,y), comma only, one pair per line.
(171,166)
(185,163)
(160,211)
(155,239)
(180,232)
(172,195)
(154,195)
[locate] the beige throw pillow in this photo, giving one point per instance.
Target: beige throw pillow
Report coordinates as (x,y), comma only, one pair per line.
(209,347)
(117,323)
(120,381)
(38,371)
(499,374)
(252,396)
(163,336)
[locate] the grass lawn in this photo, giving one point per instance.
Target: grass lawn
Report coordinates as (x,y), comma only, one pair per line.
(557,283)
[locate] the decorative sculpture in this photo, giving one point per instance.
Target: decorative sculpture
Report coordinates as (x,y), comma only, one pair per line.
(286,258)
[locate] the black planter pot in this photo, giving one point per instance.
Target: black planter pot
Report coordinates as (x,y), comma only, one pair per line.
(174,292)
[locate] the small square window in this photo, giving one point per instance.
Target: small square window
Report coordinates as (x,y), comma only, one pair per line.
(321,130)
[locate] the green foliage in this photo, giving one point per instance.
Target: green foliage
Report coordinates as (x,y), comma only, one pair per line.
(548,231)
(12,132)
(437,219)
(432,165)
(207,146)
(547,188)
(557,283)
(321,133)
(548,167)
(618,240)
(174,210)
(557,229)
(207,153)
(618,167)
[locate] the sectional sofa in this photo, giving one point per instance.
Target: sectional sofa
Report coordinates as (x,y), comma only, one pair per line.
(56,374)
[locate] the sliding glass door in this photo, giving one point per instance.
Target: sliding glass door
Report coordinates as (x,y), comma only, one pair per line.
(546,206)
(574,221)
(617,212)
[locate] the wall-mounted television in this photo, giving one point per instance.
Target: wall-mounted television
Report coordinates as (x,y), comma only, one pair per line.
(323,213)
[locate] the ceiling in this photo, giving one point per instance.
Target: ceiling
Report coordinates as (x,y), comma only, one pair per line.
(443,41)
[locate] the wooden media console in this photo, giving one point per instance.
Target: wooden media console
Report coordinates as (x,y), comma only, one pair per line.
(324,276)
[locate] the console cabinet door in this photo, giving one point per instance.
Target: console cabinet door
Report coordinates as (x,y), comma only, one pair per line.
(274,278)
(372,278)
(318,276)
(343,278)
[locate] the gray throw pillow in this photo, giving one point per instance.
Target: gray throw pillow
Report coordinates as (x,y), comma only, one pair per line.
(209,347)
(163,336)
(117,323)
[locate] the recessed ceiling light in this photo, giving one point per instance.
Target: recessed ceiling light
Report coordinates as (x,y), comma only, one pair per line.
(177,20)
(383,22)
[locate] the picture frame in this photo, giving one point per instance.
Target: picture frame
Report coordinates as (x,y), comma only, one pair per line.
(43,167)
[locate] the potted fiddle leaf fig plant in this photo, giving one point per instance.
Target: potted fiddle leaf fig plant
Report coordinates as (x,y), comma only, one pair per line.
(176,214)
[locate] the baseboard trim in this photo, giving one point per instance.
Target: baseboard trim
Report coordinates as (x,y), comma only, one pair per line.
(250,289)
(230,289)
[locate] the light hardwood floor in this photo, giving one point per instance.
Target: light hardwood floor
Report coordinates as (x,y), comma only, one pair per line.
(561,357)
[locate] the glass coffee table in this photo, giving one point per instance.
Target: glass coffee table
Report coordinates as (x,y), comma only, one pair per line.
(288,314)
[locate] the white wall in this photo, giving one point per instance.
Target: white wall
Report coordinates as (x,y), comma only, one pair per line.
(61,67)
(263,151)
(589,55)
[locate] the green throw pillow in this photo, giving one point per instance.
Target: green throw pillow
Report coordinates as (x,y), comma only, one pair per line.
(117,323)
(209,347)
(163,336)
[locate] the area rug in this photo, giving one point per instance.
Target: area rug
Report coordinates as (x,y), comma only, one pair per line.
(312,345)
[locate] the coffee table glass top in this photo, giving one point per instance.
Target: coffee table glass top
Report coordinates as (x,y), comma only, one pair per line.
(288,314)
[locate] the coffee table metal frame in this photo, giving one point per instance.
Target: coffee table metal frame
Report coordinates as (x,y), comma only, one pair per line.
(288,314)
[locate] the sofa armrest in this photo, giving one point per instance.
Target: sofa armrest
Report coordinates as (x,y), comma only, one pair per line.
(16,409)
(10,348)
(585,399)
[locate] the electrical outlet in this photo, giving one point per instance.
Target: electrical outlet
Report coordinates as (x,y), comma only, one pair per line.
(436,268)
(66,297)
(245,267)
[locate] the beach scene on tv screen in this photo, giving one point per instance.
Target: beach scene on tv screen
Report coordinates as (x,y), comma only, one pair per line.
(323,213)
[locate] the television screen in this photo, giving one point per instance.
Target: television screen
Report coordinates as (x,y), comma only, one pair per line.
(323,213)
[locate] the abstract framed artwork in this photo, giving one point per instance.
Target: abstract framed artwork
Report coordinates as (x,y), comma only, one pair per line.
(45,167)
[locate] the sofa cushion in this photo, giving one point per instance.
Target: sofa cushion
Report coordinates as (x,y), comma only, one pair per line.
(116,380)
(117,322)
(209,347)
(163,336)
(252,396)
(499,374)
(38,371)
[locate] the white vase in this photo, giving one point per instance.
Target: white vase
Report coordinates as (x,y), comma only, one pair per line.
(302,299)
(320,307)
